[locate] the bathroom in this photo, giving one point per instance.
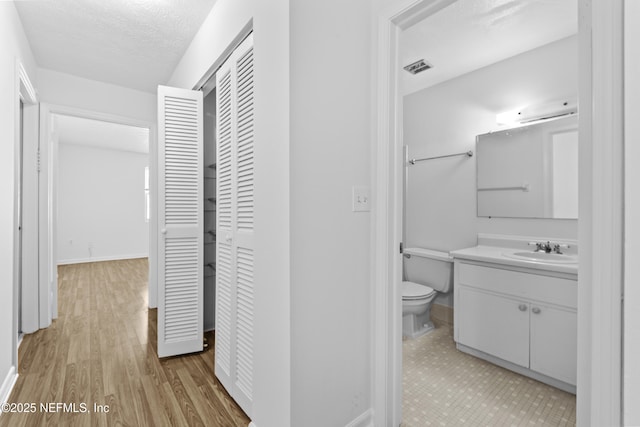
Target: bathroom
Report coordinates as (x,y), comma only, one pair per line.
(489,68)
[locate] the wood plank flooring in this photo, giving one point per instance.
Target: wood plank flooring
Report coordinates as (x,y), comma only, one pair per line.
(102,351)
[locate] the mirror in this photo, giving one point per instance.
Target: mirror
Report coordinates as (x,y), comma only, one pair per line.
(529,171)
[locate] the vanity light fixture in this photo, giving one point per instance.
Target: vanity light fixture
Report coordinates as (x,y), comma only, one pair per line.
(509,117)
(532,113)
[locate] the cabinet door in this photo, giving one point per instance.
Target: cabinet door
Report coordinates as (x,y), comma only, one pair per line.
(493,324)
(553,342)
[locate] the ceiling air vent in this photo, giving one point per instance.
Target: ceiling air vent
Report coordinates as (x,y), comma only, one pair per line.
(418,67)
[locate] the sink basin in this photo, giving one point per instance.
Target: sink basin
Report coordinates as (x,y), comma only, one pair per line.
(552,258)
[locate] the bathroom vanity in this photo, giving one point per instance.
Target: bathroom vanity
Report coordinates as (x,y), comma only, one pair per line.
(518,311)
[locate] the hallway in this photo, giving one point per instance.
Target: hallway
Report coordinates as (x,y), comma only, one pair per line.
(102,351)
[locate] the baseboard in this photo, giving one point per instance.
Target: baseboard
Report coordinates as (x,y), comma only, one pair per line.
(364,420)
(99,259)
(7,385)
(442,314)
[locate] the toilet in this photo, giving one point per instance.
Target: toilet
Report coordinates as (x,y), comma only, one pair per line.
(427,273)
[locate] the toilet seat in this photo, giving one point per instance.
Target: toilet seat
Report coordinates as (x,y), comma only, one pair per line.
(414,291)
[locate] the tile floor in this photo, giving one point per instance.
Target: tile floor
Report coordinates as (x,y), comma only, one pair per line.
(445,387)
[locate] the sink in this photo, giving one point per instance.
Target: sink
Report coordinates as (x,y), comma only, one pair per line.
(551,258)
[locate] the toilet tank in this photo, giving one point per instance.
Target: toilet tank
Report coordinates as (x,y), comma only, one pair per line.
(428,267)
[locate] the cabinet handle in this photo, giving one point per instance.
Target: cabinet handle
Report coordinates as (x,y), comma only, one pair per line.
(535,310)
(522,307)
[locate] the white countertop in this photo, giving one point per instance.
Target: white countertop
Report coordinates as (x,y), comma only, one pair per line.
(495,255)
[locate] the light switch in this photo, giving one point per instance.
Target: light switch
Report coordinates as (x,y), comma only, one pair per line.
(361,199)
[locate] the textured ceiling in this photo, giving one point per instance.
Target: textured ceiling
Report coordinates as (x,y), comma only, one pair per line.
(131,43)
(471,34)
(98,134)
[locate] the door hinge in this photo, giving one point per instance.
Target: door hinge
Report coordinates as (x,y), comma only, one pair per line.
(401,248)
(38,160)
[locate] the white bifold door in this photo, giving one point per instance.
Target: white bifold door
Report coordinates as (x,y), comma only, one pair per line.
(180,221)
(234,225)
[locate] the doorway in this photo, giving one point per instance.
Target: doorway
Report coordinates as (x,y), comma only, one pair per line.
(485,60)
(596,366)
(102,191)
(106,209)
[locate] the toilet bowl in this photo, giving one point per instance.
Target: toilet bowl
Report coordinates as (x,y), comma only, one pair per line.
(427,273)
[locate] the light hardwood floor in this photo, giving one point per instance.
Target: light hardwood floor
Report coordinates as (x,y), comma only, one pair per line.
(102,350)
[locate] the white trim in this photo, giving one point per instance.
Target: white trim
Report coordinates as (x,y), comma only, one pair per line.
(631,338)
(153,221)
(363,420)
(24,91)
(100,259)
(48,191)
(387,221)
(600,209)
(26,81)
(7,386)
(601,213)
(207,82)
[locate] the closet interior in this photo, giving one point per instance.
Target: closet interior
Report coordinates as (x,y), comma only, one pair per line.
(209,193)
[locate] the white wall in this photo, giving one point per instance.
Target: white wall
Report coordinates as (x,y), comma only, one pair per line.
(330,244)
(71,91)
(632,206)
(13,45)
(445,119)
(312,342)
(272,375)
(101,204)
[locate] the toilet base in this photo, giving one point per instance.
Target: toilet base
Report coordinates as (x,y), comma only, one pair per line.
(416,333)
(417,325)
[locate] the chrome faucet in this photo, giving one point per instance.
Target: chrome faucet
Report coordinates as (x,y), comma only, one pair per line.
(543,247)
(548,247)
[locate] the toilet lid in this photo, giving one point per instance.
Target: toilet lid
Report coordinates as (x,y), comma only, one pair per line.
(412,290)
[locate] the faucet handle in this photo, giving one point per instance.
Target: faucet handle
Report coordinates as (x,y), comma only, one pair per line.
(539,246)
(558,246)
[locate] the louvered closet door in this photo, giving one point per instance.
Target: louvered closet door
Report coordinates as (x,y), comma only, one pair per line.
(235,209)
(180,221)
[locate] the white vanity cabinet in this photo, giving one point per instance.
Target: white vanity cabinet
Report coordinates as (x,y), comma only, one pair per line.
(522,319)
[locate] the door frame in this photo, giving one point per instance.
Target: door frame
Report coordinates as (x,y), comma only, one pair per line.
(601,210)
(632,204)
(25,91)
(48,203)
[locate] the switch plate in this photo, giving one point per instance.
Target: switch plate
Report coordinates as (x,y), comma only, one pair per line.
(361,199)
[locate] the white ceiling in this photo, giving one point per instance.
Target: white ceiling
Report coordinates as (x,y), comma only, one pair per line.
(471,34)
(131,43)
(98,134)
